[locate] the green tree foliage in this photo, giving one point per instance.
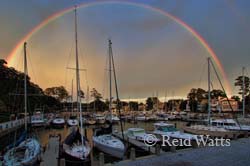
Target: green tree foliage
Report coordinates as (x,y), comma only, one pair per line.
(12,91)
(239,83)
(149,104)
(183,105)
(197,94)
(216,93)
(60,93)
(236,98)
(133,105)
(98,105)
(95,94)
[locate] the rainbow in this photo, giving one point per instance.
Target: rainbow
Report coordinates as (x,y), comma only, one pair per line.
(198,37)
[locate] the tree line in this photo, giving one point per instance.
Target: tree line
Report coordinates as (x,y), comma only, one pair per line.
(56,98)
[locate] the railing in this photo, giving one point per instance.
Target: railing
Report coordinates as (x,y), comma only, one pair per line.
(12,124)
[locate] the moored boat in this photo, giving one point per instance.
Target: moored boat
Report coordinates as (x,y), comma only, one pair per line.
(72,121)
(100,119)
(139,134)
(58,122)
(28,151)
(37,120)
(104,141)
(103,138)
(76,148)
(167,129)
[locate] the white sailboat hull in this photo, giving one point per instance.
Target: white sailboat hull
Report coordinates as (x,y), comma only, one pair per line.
(109,148)
(72,122)
(26,153)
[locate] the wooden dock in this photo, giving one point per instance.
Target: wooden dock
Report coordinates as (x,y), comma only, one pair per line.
(237,154)
(50,156)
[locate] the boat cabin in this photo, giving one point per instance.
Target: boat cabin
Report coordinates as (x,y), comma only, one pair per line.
(165,127)
(223,122)
(135,131)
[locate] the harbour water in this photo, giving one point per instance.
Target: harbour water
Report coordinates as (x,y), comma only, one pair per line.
(43,134)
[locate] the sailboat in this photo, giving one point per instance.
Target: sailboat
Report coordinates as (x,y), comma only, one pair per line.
(28,151)
(76,147)
(103,139)
(209,129)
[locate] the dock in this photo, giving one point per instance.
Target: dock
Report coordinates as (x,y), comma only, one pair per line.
(10,126)
(51,154)
(238,154)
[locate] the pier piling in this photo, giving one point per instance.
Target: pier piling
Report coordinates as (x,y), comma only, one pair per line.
(132,154)
(157,149)
(62,162)
(101,159)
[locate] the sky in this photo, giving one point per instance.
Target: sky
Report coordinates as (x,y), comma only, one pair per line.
(153,54)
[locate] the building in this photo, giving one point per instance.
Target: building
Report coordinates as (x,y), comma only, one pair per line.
(225,106)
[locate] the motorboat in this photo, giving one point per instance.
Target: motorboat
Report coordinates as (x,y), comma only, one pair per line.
(167,129)
(141,117)
(100,119)
(230,124)
(112,118)
(138,134)
(212,131)
(37,120)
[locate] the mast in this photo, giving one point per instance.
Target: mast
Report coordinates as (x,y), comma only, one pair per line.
(78,97)
(209,92)
(116,88)
(87,98)
(110,80)
(72,104)
(25,85)
(165,100)
(243,91)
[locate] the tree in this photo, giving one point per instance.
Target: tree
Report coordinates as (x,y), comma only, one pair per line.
(197,94)
(95,94)
(12,83)
(183,105)
(98,105)
(239,83)
(3,62)
(236,98)
(216,93)
(59,93)
(193,104)
(149,104)
(133,105)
